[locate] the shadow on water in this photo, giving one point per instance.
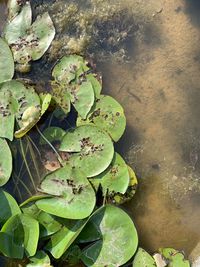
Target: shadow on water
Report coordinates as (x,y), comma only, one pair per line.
(192,8)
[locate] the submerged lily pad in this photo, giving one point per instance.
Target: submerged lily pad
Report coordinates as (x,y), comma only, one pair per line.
(52,134)
(6,62)
(72,195)
(63,239)
(8,206)
(174,258)
(5,162)
(94,149)
(28,42)
(113,238)
(108,115)
(16,99)
(115,179)
(142,259)
(19,235)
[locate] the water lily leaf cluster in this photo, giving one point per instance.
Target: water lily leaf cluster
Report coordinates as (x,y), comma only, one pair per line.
(72,216)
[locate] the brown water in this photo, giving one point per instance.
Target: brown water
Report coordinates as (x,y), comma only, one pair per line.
(160,90)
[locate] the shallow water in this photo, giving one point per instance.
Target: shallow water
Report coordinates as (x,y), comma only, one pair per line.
(159,88)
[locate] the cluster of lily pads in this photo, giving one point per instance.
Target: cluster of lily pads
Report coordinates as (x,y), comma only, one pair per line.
(72,218)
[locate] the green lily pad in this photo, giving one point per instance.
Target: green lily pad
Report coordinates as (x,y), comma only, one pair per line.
(14,6)
(174,257)
(29,42)
(6,62)
(74,197)
(46,100)
(96,84)
(63,239)
(49,224)
(113,236)
(19,24)
(142,259)
(108,115)
(19,235)
(115,179)
(94,149)
(69,68)
(5,162)
(41,259)
(17,102)
(8,206)
(52,134)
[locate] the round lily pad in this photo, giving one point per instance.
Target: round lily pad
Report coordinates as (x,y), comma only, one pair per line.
(113,238)
(115,179)
(6,62)
(72,195)
(93,146)
(19,235)
(5,162)
(108,115)
(142,259)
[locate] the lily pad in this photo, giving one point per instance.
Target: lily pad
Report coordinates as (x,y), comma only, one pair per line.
(108,115)
(96,84)
(115,179)
(41,259)
(6,62)
(63,239)
(174,258)
(69,68)
(94,149)
(8,206)
(113,238)
(52,134)
(29,42)
(17,101)
(19,235)
(5,162)
(14,6)
(142,259)
(74,197)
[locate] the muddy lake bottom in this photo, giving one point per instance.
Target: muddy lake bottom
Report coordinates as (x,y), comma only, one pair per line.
(159,88)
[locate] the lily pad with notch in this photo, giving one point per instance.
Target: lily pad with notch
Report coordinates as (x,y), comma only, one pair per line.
(174,258)
(115,179)
(108,115)
(113,238)
(93,149)
(5,162)
(72,195)
(6,62)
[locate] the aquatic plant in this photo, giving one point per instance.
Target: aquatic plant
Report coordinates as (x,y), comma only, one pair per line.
(74,215)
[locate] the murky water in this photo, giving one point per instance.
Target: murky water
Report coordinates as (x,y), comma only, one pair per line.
(158,84)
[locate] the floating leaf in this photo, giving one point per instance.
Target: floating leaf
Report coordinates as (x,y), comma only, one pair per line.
(69,68)
(142,259)
(14,6)
(74,197)
(108,115)
(29,42)
(5,162)
(113,236)
(61,241)
(6,62)
(174,257)
(19,24)
(17,101)
(19,235)
(8,206)
(94,149)
(41,259)
(96,84)
(46,100)
(115,179)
